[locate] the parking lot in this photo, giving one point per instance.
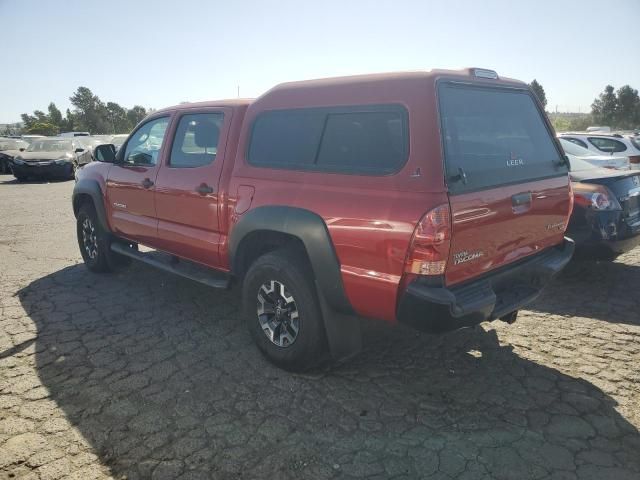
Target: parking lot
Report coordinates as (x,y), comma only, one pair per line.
(144,375)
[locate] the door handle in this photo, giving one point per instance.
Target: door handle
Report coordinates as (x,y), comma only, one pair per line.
(147,183)
(521,199)
(204,189)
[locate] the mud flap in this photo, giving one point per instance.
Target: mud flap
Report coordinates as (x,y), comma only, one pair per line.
(343,331)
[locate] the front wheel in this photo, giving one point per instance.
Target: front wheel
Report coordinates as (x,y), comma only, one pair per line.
(282,312)
(93,240)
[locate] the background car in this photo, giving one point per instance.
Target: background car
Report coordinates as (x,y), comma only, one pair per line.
(31,138)
(118,140)
(611,144)
(89,144)
(573,151)
(53,156)
(606,216)
(9,148)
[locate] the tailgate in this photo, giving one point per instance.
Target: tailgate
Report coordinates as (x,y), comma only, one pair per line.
(508,184)
(496,227)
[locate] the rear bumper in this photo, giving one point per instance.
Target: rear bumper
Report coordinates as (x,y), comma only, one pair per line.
(605,231)
(36,170)
(439,309)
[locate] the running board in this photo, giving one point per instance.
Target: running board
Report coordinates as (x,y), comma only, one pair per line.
(183,268)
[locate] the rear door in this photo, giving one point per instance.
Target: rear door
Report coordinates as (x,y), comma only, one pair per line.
(508,186)
(187,186)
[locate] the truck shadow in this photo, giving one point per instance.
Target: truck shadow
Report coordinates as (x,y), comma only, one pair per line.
(594,289)
(161,378)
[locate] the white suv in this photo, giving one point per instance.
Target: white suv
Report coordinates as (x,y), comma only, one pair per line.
(609,144)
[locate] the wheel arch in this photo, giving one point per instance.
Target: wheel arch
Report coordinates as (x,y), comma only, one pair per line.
(267,228)
(89,191)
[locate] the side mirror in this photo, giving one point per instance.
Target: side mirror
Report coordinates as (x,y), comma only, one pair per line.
(22,149)
(567,162)
(79,150)
(105,153)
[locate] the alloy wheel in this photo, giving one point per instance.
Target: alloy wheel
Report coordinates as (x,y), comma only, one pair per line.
(89,238)
(278,313)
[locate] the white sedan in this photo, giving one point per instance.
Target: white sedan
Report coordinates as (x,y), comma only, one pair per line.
(603,145)
(574,150)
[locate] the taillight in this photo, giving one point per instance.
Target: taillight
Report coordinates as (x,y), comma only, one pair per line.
(635,159)
(571,201)
(429,249)
(596,197)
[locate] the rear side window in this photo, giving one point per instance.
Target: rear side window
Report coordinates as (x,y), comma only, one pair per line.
(494,137)
(577,141)
(607,145)
(371,140)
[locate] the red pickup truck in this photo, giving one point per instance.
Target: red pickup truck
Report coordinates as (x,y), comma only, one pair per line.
(436,198)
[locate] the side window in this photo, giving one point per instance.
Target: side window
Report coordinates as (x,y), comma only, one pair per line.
(607,144)
(144,145)
(577,141)
(196,140)
(286,138)
(364,140)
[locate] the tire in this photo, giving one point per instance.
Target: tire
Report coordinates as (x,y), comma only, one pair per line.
(93,241)
(73,169)
(281,279)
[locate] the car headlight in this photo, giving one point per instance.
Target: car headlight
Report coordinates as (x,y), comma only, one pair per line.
(18,161)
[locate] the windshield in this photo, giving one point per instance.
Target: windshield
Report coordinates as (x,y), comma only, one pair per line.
(573,149)
(494,137)
(9,144)
(50,146)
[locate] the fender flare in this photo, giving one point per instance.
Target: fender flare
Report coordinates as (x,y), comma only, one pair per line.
(92,188)
(311,229)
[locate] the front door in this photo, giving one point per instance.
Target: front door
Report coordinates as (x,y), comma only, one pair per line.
(188,184)
(131,183)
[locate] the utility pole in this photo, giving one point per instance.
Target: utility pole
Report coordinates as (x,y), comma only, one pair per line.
(238,91)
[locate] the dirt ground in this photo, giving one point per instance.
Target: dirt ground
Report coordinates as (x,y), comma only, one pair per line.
(143,375)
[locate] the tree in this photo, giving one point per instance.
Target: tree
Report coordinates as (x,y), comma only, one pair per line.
(28,120)
(55,116)
(628,107)
(539,91)
(43,128)
(604,107)
(90,113)
(135,115)
(117,118)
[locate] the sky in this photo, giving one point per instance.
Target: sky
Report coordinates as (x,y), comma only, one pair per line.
(162,52)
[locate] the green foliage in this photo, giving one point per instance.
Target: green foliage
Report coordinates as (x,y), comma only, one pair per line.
(43,128)
(89,114)
(539,91)
(628,111)
(563,122)
(619,109)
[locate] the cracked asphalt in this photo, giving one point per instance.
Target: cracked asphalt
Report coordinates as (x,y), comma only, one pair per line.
(143,375)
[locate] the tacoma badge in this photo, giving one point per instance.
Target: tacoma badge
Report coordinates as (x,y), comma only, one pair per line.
(466,256)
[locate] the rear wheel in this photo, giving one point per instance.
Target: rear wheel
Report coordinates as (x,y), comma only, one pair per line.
(282,312)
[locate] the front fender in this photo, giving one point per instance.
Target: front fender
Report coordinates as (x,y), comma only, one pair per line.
(90,187)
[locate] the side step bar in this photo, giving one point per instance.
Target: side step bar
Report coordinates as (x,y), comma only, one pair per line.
(183,268)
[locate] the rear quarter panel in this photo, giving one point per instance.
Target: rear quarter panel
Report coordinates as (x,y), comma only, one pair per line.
(370,218)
